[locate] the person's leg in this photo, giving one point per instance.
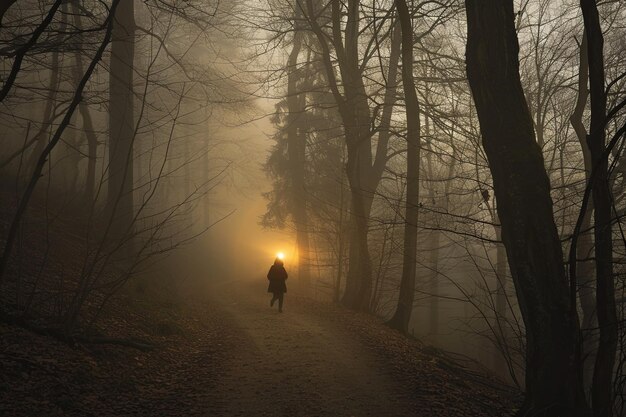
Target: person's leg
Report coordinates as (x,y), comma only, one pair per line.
(280,302)
(273,299)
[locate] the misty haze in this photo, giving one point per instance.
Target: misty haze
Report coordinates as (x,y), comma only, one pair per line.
(313,208)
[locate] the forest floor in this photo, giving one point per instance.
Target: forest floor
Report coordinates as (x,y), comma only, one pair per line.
(229,354)
(321,359)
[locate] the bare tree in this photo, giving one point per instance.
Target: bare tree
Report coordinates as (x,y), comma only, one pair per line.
(602,388)
(522,189)
(402,316)
(121,122)
(364,169)
(297,147)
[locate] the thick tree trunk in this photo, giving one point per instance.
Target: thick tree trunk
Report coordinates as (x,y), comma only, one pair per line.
(340,240)
(402,316)
(602,388)
(522,189)
(363,174)
(501,355)
(340,249)
(501,298)
(352,101)
(359,278)
(121,123)
(356,116)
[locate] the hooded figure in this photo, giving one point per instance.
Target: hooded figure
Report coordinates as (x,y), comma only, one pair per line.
(277,276)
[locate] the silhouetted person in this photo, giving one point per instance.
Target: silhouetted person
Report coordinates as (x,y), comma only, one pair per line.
(277,276)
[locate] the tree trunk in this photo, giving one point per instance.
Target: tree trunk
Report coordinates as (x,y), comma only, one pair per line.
(4,6)
(436,250)
(88,128)
(402,316)
(92,152)
(385,129)
(602,388)
(359,278)
(433,284)
(500,360)
(391,93)
(42,136)
(121,123)
(584,250)
(355,114)
(356,117)
(296,148)
(341,240)
(522,189)
(71,161)
(337,288)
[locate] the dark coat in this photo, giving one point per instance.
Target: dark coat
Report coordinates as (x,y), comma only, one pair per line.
(277,276)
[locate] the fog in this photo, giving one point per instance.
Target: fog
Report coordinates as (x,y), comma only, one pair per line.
(445,179)
(237,246)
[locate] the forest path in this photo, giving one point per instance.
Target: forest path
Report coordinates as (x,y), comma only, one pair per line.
(230,354)
(298,364)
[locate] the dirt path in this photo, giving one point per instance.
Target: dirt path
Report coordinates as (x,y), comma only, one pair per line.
(232,355)
(298,364)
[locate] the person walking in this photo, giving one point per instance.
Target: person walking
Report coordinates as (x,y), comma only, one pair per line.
(277,276)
